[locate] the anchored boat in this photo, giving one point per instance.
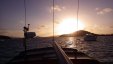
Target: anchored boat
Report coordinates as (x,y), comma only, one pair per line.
(90,37)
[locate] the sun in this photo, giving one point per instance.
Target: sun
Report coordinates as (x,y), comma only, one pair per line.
(69,25)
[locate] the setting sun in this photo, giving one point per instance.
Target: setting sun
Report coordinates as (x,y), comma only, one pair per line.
(69,25)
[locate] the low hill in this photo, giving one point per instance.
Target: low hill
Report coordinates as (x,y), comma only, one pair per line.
(77,33)
(4,37)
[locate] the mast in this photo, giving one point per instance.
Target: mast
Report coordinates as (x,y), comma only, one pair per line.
(25,29)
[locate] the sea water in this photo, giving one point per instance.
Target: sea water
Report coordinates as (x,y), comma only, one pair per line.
(102,49)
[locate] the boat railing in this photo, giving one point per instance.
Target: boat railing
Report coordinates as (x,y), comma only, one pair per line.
(62,57)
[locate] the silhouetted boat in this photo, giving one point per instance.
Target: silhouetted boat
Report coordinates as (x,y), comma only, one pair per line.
(90,37)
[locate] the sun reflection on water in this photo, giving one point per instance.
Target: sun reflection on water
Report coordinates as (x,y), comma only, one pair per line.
(71,42)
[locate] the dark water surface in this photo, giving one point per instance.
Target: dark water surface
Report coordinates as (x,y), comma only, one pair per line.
(102,49)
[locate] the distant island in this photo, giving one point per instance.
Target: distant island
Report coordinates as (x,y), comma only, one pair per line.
(77,33)
(4,37)
(83,33)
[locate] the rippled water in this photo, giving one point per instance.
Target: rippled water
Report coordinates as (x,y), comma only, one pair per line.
(102,49)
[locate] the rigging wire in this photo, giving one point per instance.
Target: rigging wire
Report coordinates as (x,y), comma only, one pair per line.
(25,11)
(53,19)
(77,13)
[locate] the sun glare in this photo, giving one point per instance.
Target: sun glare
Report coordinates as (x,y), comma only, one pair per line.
(69,25)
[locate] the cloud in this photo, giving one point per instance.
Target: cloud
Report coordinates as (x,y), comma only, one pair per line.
(97,9)
(100,12)
(2,32)
(12,33)
(56,22)
(108,10)
(57,8)
(42,26)
(103,11)
(111,26)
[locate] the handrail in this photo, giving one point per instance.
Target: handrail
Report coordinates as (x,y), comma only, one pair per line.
(63,58)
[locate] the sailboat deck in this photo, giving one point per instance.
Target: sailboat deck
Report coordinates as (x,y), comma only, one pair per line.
(46,55)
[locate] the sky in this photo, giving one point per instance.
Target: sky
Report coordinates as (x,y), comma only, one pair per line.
(97,15)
